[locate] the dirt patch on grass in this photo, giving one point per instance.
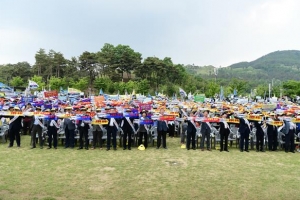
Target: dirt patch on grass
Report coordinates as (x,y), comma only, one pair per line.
(175,163)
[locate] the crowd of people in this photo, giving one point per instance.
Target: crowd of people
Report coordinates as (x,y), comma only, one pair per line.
(132,122)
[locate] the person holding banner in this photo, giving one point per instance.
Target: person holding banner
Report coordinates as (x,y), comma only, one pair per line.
(128,129)
(83,125)
(162,129)
(69,128)
(191,132)
(112,129)
(143,130)
(205,131)
(244,130)
(272,133)
(27,119)
(259,137)
(97,131)
(224,133)
(37,127)
(289,129)
(15,125)
(52,130)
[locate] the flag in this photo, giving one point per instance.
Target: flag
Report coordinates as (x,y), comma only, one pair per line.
(221,93)
(190,96)
(73,90)
(235,92)
(126,93)
(32,85)
(101,92)
(182,92)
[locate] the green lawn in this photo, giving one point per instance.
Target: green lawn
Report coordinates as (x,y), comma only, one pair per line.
(152,174)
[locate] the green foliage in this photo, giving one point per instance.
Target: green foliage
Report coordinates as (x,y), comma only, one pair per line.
(82,84)
(16,81)
(56,83)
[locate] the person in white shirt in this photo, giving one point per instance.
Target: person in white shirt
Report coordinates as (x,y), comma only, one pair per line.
(37,127)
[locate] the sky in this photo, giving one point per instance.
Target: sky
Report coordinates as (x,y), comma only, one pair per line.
(199,32)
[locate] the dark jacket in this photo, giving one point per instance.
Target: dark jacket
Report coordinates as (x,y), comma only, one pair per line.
(223,130)
(16,124)
(243,128)
(162,126)
(259,129)
(190,127)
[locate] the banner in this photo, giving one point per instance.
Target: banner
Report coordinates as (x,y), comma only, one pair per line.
(73,90)
(199,98)
(145,106)
(146,122)
(99,101)
(100,121)
(53,93)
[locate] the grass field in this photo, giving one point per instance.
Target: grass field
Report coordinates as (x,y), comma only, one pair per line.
(152,174)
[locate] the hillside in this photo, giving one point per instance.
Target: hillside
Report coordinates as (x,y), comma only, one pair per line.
(279,65)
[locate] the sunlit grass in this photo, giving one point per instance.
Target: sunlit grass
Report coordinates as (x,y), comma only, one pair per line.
(152,174)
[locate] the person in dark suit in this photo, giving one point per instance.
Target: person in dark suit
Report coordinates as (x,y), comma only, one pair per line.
(224,133)
(162,129)
(127,127)
(37,127)
(68,136)
(259,137)
(84,126)
(191,132)
(143,130)
(52,130)
(244,130)
(272,133)
(205,131)
(15,125)
(112,129)
(27,119)
(289,129)
(97,132)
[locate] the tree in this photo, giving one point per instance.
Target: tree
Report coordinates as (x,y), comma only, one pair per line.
(87,63)
(17,81)
(57,83)
(82,84)
(143,86)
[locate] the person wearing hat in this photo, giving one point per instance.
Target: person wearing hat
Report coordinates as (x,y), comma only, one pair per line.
(224,133)
(259,136)
(272,132)
(289,129)
(143,130)
(27,119)
(15,125)
(69,127)
(244,130)
(97,131)
(128,130)
(52,129)
(83,127)
(112,129)
(205,131)
(191,131)
(162,129)
(37,127)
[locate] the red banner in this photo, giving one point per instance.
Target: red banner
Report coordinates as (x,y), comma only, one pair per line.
(53,93)
(145,106)
(167,118)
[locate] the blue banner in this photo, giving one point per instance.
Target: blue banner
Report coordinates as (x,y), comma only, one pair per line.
(146,122)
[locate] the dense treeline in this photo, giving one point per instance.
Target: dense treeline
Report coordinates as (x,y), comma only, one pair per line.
(120,69)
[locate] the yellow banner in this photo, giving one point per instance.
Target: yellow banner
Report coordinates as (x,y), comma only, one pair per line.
(233,121)
(100,121)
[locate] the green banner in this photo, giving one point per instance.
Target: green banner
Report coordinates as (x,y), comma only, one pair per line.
(199,98)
